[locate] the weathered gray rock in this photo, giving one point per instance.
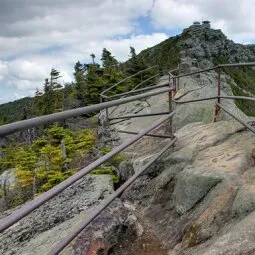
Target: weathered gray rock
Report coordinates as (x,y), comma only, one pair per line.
(191,187)
(199,44)
(105,230)
(7,179)
(192,197)
(139,192)
(32,232)
(238,239)
(126,170)
(245,200)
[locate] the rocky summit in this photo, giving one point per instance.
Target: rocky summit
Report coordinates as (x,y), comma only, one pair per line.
(196,199)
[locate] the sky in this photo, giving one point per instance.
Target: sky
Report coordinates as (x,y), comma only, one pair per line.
(37,35)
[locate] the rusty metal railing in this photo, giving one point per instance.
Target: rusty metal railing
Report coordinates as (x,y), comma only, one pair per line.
(218,105)
(103,95)
(26,209)
(59,116)
(60,246)
(172,85)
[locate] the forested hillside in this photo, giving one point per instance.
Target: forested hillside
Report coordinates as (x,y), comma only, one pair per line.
(55,152)
(16,110)
(90,79)
(45,156)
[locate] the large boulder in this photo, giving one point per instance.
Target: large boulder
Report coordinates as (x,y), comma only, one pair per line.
(199,185)
(45,226)
(191,187)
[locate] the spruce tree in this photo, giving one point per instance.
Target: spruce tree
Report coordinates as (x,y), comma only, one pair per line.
(80,88)
(108,60)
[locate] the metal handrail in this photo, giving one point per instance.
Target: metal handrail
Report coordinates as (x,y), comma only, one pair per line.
(13,127)
(237,118)
(59,116)
(139,90)
(142,82)
(215,68)
(214,97)
(125,79)
(61,245)
(43,198)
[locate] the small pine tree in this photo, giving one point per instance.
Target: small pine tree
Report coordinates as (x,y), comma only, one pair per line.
(80,88)
(108,61)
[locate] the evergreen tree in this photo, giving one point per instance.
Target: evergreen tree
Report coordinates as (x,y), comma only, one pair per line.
(134,65)
(108,60)
(80,88)
(51,99)
(95,83)
(48,98)
(93,56)
(38,103)
(111,72)
(56,90)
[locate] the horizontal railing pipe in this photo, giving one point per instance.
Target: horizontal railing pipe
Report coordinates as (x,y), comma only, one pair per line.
(152,135)
(194,100)
(214,97)
(138,90)
(197,72)
(46,196)
(59,116)
(216,67)
(237,118)
(237,64)
(139,115)
(239,98)
(61,245)
(131,76)
(116,122)
(144,81)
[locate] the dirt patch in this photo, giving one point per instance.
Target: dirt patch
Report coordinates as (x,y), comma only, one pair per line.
(147,244)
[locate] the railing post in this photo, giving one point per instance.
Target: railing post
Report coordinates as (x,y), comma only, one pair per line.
(106,109)
(217,108)
(174,85)
(178,78)
(107,114)
(219,85)
(170,95)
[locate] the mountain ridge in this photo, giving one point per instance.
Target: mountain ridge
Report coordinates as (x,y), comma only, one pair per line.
(196,47)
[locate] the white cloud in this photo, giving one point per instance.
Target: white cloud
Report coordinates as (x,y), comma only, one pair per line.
(67,24)
(30,71)
(235,18)
(38,35)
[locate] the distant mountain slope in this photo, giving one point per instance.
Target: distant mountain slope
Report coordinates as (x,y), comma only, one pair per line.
(199,47)
(16,110)
(195,47)
(165,54)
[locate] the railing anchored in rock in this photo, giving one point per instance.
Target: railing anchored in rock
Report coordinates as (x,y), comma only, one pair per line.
(218,105)
(26,209)
(170,87)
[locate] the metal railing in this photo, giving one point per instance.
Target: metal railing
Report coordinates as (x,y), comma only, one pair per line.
(172,86)
(218,106)
(104,97)
(26,209)
(35,122)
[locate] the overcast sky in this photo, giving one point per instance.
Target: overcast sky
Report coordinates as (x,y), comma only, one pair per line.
(36,35)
